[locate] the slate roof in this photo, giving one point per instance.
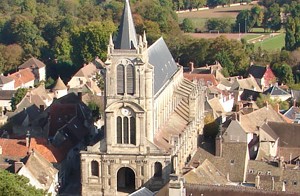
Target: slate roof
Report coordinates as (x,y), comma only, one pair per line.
(23,76)
(142,192)
(7,94)
(5,80)
(296,94)
(32,63)
(257,71)
(163,63)
(126,38)
(291,113)
(249,95)
(275,91)
(264,169)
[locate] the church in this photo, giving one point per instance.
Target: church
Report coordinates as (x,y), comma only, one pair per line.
(153,117)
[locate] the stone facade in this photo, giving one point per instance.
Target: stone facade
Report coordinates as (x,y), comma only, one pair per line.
(151,126)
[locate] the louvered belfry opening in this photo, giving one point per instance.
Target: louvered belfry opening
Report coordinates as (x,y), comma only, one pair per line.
(130,79)
(120,80)
(125,79)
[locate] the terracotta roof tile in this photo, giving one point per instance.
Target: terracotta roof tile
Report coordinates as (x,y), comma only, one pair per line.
(23,76)
(209,79)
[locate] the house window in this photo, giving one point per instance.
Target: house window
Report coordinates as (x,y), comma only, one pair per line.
(232,162)
(259,172)
(295,183)
(95,168)
(157,170)
(125,79)
(126,127)
(251,171)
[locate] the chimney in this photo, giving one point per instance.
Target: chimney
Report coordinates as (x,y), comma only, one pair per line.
(294,102)
(42,108)
(28,139)
(176,187)
(79,94)
(17,166)
(257,181)
(218,145)
(277,107)
(191,66)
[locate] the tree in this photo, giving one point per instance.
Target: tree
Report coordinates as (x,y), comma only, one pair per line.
(262,99)
(187,25)
(272,19)
(18,96)
(90,41)
(223,25)
(95,110)
(12,184)
(284,73)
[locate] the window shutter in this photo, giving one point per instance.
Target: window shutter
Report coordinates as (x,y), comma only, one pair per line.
(120,80)
(130,79)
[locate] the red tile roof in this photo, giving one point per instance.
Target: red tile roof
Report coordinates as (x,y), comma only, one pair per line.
(23,76)
(17,148)
(208,78)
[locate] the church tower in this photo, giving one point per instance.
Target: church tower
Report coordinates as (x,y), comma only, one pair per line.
(128,90)
(152,117)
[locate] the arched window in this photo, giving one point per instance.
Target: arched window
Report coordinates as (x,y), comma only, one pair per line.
(126,127)
(157,169)
(130,79)
(120,80)
(95,168)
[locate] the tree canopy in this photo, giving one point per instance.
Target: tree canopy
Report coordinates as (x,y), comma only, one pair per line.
(12,184)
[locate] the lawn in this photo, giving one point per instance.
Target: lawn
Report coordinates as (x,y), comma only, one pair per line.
(272,44)
(200,17)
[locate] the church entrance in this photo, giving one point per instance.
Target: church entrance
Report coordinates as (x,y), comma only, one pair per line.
(126,180)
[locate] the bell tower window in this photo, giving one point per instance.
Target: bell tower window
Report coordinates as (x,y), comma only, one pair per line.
(126,127)
(125,79)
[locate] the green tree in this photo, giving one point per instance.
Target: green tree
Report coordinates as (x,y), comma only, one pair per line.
(18,96)
(91,41)
(272,19)
(187,25)
(284,73)
(63,48)
(95,110)
(223,24)
(12,184)
(262,99)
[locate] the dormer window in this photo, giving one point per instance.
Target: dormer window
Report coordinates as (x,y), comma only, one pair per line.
(269,173)
(295,183)
(251,171)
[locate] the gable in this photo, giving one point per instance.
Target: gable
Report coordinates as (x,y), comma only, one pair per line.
(234,133)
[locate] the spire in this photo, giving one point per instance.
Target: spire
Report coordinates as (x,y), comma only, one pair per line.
(127,36)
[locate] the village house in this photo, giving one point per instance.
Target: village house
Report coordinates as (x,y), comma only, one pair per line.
(37,67)
(263,75)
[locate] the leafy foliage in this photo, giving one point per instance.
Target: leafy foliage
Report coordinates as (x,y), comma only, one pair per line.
(95,110)
(187,25)
(12,184)
(263,99)
(19,95)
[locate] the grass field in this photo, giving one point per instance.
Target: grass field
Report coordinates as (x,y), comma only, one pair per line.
(251,36)
(200,17)
(272,44)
